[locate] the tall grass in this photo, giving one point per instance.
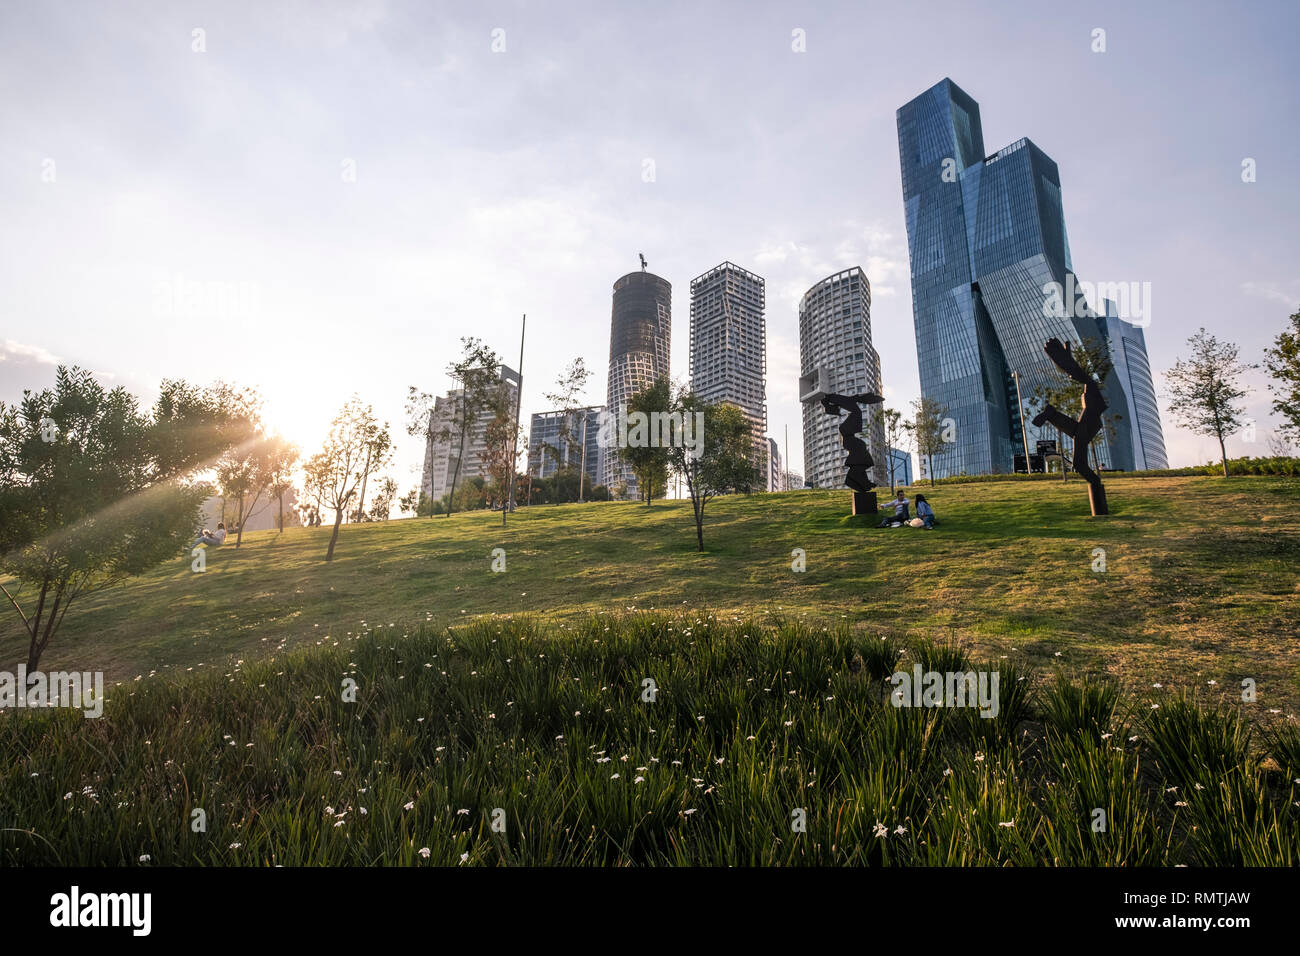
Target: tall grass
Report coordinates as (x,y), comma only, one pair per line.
(639,739)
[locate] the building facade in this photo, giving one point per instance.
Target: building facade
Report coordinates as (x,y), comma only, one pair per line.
(902,465)
(442,447)
(987,243)
(729,346)
(835,348)
(639,339)
(775,476)
(1139,414)
(549,449)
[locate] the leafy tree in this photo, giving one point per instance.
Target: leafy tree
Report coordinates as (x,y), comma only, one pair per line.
(94,491)
(1204,393)
(383,505)
(926,426)
(477,373)
(281,457)
(723,459)
(649,464)
(1283,363)
(356,443)
(243,470)
(499,447)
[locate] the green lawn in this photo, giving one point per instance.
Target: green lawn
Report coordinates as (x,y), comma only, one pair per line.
(1200,582)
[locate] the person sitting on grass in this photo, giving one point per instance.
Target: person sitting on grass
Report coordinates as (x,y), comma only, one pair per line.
(925,513)
(212,537)
(900,510)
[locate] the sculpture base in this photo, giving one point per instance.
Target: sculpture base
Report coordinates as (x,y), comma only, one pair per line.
(864,503)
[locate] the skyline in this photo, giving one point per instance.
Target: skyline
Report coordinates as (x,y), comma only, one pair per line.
(488,185)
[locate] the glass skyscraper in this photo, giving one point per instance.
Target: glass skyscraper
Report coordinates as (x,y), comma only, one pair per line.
(986,235)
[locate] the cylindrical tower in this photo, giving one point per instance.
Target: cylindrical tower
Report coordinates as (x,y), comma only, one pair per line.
(639,339)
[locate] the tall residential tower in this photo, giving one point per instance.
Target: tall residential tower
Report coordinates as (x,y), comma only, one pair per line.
(729,346)
(835,349)
(639,338)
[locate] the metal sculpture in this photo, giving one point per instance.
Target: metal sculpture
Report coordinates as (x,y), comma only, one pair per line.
(859,460)
(1088,425)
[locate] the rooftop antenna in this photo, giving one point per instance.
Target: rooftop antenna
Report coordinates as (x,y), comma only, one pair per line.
(642,255)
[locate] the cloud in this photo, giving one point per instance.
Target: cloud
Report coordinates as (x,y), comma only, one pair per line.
(1288,293)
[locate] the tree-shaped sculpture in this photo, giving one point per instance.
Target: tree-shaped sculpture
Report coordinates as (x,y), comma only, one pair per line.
(1083,431)
(859,460)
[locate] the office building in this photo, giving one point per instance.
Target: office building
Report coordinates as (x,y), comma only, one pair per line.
(992,281)
(549,449)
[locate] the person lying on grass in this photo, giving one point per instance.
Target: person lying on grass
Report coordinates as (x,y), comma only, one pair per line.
(212,537)
(900,510)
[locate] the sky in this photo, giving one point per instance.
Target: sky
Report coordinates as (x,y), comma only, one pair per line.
(320,199)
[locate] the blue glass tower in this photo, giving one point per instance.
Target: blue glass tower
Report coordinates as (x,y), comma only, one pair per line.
(986,237)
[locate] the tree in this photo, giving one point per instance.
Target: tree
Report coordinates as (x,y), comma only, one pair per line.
(379,455)
(282,455)
(334,474)
(722,459)
(1203,391)
(478,374)
(1283,363)
(927,427)
(94,491)
(892,419)
(383,505)
(567,400)
(243,469)
(648,462)
(498,456)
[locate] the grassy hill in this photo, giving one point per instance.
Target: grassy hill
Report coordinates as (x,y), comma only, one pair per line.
(1201,579)
(503,719)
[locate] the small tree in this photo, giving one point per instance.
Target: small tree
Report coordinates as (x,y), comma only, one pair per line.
(243,471)
(650,464)
(92,491)
(334,474)
(282,455)
(1283,363)
(1204,392)
(383,506)
(567,400)
(477,374)
(927,427)
(722,460)
(892,419)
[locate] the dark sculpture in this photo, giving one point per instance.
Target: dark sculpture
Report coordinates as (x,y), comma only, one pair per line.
(859,460)
(1086,428)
